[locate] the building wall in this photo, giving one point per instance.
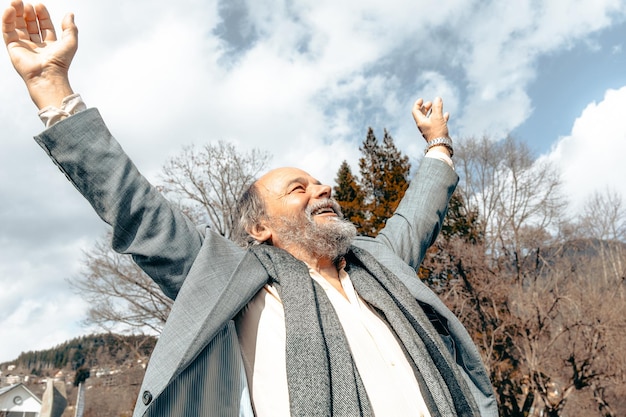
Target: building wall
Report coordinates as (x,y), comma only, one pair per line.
(27,403)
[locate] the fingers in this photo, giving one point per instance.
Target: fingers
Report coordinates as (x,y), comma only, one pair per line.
(45,24)
(421,110)
(418,104)
(438,107)
(13,24)
(28,23)
(31,26)
(430,118)
(434,108)
(8,26)
(427,108)
(417,112)
(18,21)
(422,107)
(437,110)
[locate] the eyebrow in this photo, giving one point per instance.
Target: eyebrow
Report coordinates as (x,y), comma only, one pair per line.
(302,180)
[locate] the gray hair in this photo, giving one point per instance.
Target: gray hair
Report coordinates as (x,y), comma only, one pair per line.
(249,213)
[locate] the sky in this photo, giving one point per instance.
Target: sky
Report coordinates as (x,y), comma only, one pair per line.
(302,80)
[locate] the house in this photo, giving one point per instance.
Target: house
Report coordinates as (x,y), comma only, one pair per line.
(18,401)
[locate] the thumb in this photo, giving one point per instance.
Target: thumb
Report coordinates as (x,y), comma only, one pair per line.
(70,30)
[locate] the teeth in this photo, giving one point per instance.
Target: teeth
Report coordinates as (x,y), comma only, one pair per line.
(323,210)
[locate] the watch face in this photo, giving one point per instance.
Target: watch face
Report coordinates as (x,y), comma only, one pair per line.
(17,400)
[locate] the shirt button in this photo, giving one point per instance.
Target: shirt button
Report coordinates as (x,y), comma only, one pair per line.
(146,397)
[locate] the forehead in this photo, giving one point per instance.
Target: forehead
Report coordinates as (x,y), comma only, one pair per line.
(278,180)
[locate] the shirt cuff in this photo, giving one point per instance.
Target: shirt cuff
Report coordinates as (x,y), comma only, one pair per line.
(69,106)
(441,155)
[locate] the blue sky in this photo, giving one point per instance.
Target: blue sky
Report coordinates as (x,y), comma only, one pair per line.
(568,80)
(302,80)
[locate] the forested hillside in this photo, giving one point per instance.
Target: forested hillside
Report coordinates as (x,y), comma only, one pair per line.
(101,350)
(115,363)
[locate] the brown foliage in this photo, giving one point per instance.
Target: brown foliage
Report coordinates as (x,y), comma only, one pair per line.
(550,328)
(369,200)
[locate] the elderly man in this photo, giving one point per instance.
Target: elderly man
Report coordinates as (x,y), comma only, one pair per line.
(310,320)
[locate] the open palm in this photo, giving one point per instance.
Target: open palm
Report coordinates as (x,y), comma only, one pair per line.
(31,41)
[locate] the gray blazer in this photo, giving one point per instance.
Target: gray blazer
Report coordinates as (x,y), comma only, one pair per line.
(196,367)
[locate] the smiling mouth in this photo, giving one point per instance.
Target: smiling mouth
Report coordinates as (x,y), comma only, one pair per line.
(324,209)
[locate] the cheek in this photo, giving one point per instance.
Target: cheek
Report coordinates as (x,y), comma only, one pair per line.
(291,207)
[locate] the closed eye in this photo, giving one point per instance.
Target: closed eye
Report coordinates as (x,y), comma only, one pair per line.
(297,185)
(297,188)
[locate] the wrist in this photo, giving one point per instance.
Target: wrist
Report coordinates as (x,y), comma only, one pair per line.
(434,133)
(442,144)
(49,91)
(440,149)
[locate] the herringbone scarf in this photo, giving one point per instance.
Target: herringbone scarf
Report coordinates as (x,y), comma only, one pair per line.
(322,378)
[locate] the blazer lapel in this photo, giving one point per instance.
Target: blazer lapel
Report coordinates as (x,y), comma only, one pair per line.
(244,283)
(211,295)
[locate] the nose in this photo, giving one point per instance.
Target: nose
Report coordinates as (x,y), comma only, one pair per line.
(322,191)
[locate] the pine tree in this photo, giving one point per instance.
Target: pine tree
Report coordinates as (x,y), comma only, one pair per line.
(370,200)
(384,179)
(461,228)
(349,195)
(462,222)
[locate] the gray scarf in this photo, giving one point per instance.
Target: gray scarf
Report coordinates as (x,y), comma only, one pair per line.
(322,377)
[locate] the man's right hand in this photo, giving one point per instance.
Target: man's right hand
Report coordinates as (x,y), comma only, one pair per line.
(39,58)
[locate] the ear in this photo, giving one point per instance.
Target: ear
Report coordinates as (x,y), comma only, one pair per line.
(260,232)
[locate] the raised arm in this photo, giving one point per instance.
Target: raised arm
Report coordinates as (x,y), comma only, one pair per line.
(418,218)
(161,239)
(42,60)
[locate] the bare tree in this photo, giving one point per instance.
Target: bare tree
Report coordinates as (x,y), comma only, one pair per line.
(548,342)
(477,163)
(583,352)
(209,181)
(206,184)
(120,295)
(603,221)
(517,195)
(550,327)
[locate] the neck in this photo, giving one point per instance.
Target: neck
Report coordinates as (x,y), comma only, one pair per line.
(325,266)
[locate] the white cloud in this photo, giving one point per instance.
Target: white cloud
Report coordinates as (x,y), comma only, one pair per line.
(591,157)
(309,81)
(39,324)
(499,44)
(39,311)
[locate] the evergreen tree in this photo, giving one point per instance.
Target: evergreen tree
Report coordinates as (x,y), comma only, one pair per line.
(461,227)
(370,200)
(384,179)
(462,222)
(349,195)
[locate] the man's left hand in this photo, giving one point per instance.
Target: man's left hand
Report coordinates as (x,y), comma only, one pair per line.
(431,121)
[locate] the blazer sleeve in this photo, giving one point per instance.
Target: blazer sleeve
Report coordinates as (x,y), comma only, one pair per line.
(416,222)
(161,239)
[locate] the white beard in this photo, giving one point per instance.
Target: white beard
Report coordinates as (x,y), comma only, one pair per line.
(330,240)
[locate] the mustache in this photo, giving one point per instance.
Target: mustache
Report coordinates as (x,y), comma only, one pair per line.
(326,203)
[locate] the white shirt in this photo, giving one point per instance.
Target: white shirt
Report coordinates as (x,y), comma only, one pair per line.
(386,374)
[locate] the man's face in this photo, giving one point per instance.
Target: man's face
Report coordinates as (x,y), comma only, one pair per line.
(300,213)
